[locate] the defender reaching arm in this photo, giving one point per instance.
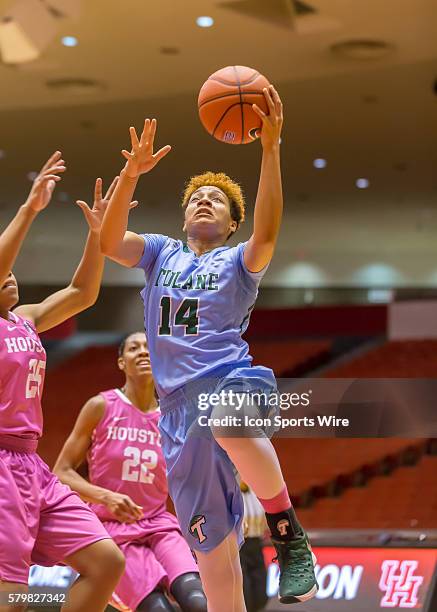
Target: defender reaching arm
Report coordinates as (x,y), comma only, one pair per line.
(13,236)
(84,288)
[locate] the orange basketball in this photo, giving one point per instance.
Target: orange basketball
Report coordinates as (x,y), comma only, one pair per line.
(225,104)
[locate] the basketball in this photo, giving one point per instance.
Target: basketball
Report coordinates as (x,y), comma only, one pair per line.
(225,104)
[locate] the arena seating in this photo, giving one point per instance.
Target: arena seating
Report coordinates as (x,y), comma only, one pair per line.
(290,358)
(405,499)
(395,359)
(315,468)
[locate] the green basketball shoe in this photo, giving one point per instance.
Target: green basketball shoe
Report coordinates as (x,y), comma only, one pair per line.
(296,560)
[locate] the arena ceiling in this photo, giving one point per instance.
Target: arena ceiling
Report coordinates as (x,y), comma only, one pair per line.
(137,49)
(369,109)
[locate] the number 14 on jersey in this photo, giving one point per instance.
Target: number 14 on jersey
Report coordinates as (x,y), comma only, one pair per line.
(187,315)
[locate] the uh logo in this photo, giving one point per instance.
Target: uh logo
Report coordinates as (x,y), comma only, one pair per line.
(400,584)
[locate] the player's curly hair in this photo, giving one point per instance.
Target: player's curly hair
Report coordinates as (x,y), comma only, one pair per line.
(223,182)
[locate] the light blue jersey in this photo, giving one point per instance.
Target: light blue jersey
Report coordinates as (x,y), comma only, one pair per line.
(195,309)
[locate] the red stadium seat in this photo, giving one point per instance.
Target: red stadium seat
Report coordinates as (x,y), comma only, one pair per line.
(403,500)
(396,359)
(290,358)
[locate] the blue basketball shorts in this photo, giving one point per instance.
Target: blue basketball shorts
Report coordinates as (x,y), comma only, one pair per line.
(201,477)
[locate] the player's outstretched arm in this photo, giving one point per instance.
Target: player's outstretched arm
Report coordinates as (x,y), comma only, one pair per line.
(73,454)
(84,288)
(116,242)
(269,201)
(13,236)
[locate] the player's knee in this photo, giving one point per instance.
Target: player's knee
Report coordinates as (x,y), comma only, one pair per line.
(116,561)
(110,562)
(188,592)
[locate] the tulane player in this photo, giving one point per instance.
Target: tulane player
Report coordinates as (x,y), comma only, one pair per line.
(197,301)
(117,432)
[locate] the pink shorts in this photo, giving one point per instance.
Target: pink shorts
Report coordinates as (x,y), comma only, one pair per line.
(41,520)
(155,553)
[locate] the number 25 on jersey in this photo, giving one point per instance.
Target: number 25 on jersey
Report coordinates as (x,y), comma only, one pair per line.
(34,379)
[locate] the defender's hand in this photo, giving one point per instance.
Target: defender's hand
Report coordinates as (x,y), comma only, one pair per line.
(94,215)
(45,182)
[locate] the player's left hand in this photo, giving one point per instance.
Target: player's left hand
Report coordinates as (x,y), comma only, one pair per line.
(45,181)
(272,123)
(94,215)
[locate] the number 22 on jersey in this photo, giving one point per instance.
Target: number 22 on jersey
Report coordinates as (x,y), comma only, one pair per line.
(136,471)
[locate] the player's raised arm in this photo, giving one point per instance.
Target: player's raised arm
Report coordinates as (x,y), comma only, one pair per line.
(73,454)
(13,236)
(269,201)
(116,242)
(84,288)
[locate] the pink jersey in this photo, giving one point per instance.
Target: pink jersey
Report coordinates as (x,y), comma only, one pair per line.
(125,456)
(23,363)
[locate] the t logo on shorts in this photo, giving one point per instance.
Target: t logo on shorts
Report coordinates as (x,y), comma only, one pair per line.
(196,527)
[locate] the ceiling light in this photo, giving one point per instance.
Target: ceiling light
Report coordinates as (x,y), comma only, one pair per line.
(320,163)
(69,41)
(204,21)
(362,183)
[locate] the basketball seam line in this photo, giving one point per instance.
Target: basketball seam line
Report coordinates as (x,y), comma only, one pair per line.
(227,110)
(226,95)
(241,104)
(223,116)
(252,78)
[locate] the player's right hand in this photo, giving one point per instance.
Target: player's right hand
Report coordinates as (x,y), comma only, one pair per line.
(45,182)
(123,508)
(141,158)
